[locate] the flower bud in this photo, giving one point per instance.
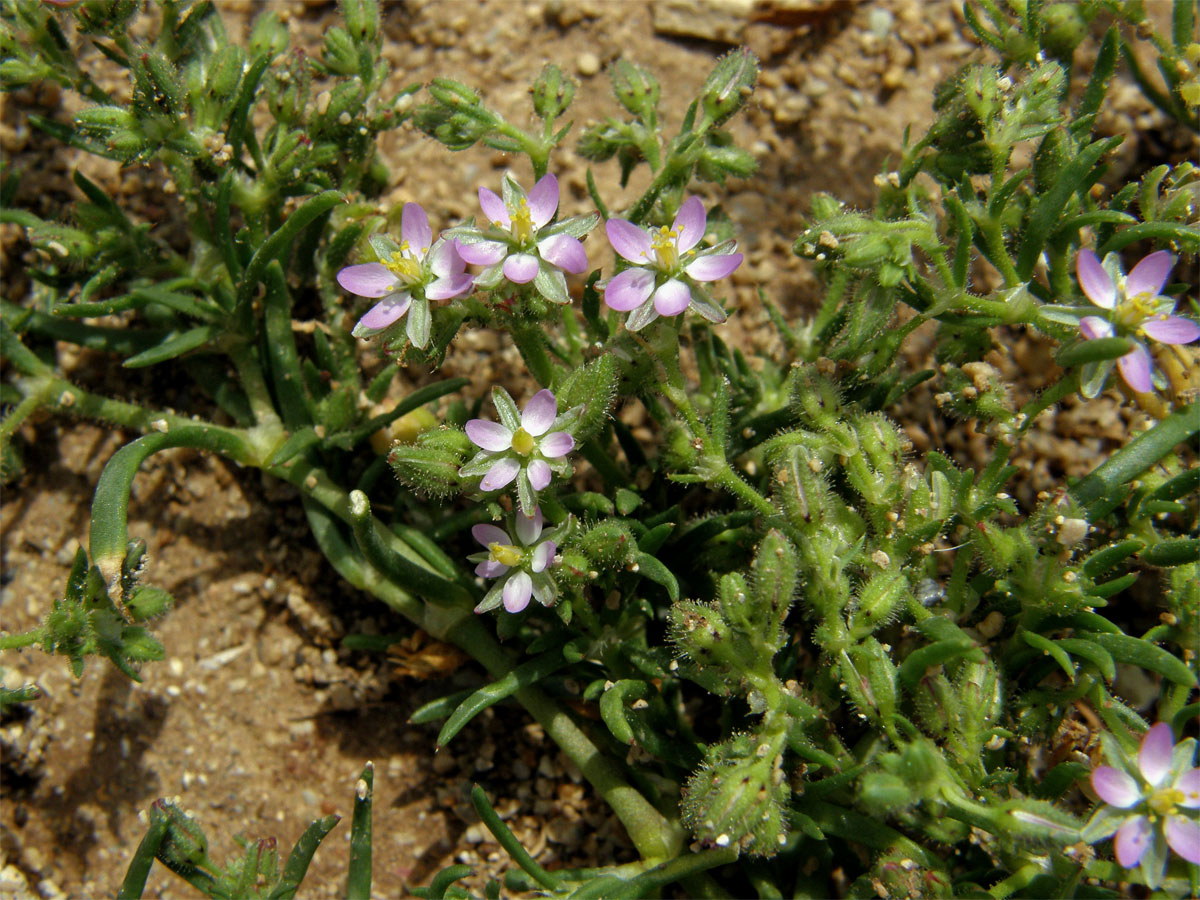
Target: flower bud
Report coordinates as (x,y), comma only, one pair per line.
(340,53)
(635,88)
(148,603)
(362,19)
(592,386)
(729,85)
(431,463)
(1063,29)
(103,121)
(269,36)
(716,163)
(184,847)
(225,71)
(166,93)
(552,93)
(737,797)
(609,543)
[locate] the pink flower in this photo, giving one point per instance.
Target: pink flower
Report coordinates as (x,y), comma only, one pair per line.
(408,275)
(519,243)
(521,565)
(665,277)
(1146,803)
(1137,310)
(527,449)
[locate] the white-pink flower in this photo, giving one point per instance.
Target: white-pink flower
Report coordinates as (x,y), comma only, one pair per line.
(407,276)
(1149,803)
(519,244)
(527,447)
(520,566)
(666,273)
(1136,309)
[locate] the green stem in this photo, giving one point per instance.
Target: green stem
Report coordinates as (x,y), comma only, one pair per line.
(254,384)
(531,344)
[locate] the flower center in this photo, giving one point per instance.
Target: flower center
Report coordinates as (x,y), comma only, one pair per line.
(522,221)
(666,247)
(505,554)
(523,442)
(1164,800)
(404,266)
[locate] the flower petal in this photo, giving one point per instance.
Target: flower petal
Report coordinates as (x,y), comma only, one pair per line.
(521,268)
(500,475)
(628,240)
(710,268)
(489,534)
(367,280)
(489,568)
(539,473)
(494,208)
(539,413)
(1095,282)
(672,298)
(489,435)
(1149,275)
(564,251)
(449,287)
(1158,744)
(517,591)
(691,220)
(543,200)
(1135,369)
(629,289)
(1189,783)
(1132,840)
(1095,327)
(543,556)
(482,253)
(445,260)
(557,444)
(1114,787)
(385,312)
(414,228)
(529,528)
(1172,330)
(1183,837)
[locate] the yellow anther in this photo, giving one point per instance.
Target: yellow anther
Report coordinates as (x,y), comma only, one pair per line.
(666,246)
(404,266)
(505,554)
(522,221)
(1164,800)
(523,442)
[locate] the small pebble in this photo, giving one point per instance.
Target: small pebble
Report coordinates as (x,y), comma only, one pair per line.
(587,64)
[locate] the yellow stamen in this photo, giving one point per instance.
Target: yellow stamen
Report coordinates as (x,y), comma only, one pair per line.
(505,554)
(523,442)
(1164,800)
(404,266)
(666,246)
(522,221)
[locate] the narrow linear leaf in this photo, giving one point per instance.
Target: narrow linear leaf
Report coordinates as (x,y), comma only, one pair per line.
(1051,649)
(358,879)
(296,866)
(913,669)
(173,346)
(1138,652)
(524,675)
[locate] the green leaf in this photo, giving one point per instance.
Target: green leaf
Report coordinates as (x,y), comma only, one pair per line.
(1051,649)
(1107,558)
(296,866)
(1077,175)
(1093,653)
(358,878)
(522,676)
(650,567)
(1178,552)
(913,669)
(175,345)
(1138,652)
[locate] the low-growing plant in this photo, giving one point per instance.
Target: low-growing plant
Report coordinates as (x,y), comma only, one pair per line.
(832,653)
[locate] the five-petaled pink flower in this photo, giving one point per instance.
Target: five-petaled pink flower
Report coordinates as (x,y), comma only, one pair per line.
(521,565)
(528,447)
(519,244)
(667,271)
(407,277)
(1149,803)
(1136,310)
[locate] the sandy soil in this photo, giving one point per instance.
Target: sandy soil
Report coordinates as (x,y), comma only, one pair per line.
(257,721)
